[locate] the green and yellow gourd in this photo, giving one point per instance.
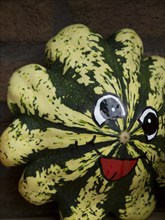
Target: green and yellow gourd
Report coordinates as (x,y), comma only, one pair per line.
(90,126)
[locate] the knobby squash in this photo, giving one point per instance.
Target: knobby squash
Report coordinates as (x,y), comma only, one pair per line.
(89,126)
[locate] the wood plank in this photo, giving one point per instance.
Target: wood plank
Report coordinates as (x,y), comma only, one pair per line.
(5,116)
(146,17)
(14,56)
(32,21)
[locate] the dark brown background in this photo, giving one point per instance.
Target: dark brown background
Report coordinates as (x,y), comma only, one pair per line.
(25,27)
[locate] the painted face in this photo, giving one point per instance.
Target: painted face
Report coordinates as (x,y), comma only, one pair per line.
(106,112)
(89,126)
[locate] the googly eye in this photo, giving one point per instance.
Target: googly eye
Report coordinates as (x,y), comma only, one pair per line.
(108,107)
(149,121)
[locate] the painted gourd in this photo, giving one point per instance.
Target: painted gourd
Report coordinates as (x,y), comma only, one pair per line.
(90,126)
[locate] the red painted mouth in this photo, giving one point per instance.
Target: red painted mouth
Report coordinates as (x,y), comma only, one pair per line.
(115,169)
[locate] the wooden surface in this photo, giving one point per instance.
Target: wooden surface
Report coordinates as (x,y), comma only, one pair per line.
(25,27)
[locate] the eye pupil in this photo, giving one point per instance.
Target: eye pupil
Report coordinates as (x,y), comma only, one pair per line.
(108,107)
(150,124)
(149,121)
(104,107)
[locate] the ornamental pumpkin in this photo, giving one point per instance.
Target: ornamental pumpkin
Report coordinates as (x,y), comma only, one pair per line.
(89,126)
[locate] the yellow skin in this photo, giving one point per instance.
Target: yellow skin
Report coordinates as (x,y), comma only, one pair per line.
(58,136)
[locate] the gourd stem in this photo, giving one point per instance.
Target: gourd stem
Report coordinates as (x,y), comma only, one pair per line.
(124,137)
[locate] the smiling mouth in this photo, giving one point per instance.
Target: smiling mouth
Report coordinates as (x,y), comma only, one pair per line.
(115,169)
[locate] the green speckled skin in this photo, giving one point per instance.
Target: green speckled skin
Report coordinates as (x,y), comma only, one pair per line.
(90,170)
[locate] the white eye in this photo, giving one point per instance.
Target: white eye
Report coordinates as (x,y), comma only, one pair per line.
(149,121)
(108,107)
